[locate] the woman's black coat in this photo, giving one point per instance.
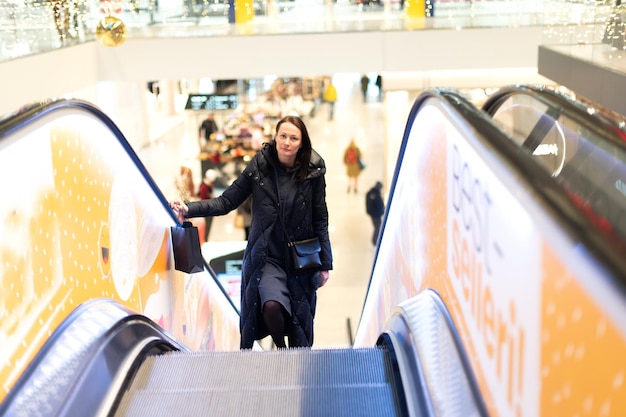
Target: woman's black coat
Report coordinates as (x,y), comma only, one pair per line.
(309,218)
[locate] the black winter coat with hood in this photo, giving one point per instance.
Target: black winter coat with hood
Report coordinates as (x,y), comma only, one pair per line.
(309,219)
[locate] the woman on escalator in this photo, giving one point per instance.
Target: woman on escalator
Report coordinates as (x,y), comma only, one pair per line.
(286,180)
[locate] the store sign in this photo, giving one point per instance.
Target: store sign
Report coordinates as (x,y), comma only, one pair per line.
(212,102)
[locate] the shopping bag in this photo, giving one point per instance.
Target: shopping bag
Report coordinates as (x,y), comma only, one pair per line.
(186,247)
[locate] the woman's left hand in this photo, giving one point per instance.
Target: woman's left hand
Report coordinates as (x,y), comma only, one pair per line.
(325,275)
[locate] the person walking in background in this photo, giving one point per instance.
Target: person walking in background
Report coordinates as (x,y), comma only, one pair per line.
(186,191)
(318,97)
(330,96)
(184,184)
(205,192)
(207,129)
(352,160)
(375,208)
(379,85)
(286,180)
(364,84)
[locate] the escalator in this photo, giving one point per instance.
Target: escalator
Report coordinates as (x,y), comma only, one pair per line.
(297,382)
(528,264)
(474,234)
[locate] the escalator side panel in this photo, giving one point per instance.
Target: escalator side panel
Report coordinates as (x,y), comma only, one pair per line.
(81,219)
(469,218)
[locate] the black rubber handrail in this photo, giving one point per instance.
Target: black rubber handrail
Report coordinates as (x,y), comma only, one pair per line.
(549,193)
(604,130)
(36,111)
(87,361)
(553,196)
(31,113)
(611,129)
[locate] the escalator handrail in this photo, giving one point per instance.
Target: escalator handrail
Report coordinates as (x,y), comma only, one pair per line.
(87,362)
(31,113)
(545,186)
(605,127)
(612,132)
(609,251)
(413,335)
(459,104)
(549,194)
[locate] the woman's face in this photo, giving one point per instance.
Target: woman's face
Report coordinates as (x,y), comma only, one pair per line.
(288,142)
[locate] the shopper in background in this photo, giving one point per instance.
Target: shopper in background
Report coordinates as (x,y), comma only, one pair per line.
(184,184)
(379,84)
(207,129)
(375,208)
(205,192)
(330,96)
(318,93)
(364,84)
(285,178)
(352,160)
(186,191)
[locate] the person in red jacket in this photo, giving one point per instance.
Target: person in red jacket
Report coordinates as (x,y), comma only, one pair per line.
(352,160)
(204,193)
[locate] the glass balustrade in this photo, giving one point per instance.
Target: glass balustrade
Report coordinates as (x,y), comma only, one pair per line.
(592,28)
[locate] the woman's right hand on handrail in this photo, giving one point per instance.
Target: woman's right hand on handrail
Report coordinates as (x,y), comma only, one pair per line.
(180,209)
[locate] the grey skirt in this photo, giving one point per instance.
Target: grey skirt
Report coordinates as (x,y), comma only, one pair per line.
(273,286)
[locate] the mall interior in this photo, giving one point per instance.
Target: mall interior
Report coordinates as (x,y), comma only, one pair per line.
(275,63)
(337,41)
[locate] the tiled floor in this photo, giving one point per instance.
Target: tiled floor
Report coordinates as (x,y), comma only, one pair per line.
(370,124)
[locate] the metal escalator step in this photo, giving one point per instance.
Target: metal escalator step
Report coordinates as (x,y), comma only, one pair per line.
(363,401)
(290,367)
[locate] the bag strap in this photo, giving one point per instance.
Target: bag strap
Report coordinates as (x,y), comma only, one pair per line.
(289,241)
(280,209)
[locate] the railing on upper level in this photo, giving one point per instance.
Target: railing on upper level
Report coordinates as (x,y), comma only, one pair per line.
(33,26)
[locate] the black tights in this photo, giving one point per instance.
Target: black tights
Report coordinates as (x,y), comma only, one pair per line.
(274,317)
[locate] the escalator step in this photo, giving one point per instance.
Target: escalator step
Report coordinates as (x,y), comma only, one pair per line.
(365,401)
(290,367)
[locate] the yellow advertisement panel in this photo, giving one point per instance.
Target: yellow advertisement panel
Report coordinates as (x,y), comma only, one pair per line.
(79,221)
(541,325)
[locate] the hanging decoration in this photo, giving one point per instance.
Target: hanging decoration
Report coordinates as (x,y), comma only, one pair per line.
(111,31)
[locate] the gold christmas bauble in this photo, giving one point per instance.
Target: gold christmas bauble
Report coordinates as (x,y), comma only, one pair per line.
(111,31)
